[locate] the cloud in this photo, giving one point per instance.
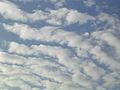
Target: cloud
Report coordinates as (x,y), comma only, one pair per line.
(14,66)
(49,73)
(111,80)
(89,3)
(7,8)
(77,64)
(88,61)
(59,16)
(102,57)
(109,38)
(57,3)
(63,57)
(92,70)
(110,21)
(47,34)
(68,16)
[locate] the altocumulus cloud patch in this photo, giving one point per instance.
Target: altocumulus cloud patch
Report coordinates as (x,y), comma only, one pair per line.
(59,45)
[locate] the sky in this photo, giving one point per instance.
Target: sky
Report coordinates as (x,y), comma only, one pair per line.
(59,45)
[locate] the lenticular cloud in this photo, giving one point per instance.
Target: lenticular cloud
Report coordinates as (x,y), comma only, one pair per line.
(52,57)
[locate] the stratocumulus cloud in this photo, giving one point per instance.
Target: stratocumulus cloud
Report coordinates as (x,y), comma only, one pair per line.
(52,56)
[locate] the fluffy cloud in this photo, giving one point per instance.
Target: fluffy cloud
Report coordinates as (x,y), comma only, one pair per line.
(63,56)
(45,68)
(105,59)
(86,61)
(92,70)
(49,73)
(68,16)
(47,34)
(109,38)
(7,8)
(59,16)
(89,68)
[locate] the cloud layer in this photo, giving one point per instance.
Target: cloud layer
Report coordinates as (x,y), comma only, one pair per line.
(63,59)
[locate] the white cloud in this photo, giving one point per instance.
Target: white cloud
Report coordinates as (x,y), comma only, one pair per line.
(100,88)
(81,80)
(48,34)
(68,16)
(110,22)
(4,57)
(57,3)
(109,38)
(103,58)
(7,8)
(32,70)
(11,65)
(74,16)
(80,44)
(111,80)
(89,3)
(92,70)
(68,65)
(63,55)
(59,16)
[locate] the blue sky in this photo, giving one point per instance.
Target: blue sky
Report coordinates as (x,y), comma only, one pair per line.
(59,45)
